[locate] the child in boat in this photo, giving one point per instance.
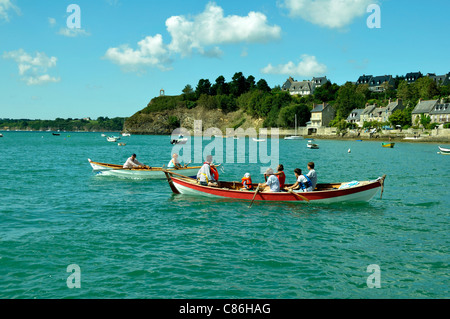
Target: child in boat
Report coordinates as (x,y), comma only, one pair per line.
(303,183)
(312,175)
(247,182)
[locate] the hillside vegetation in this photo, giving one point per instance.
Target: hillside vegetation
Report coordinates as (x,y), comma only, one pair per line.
(243,102)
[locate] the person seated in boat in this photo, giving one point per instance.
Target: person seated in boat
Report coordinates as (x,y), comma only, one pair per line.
(272,181)
(303,183)
(207,174)
(280,175)
(312,175)
(174,162)
(247,182)
(132,162)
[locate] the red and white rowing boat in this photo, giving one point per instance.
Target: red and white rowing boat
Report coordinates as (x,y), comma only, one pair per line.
(324,193)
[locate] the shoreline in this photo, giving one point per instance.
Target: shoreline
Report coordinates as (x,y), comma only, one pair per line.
(380,138)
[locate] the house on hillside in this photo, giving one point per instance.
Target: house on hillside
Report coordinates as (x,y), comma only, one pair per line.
(422,108)
(364,79)
(376,83)
(440,113)
(355,117)
(321,116)
(382,114)
(413,77)
(380,83)
(303,87)
(440,79)
(366,114)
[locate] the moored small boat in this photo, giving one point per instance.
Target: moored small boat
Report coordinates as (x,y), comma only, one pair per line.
(312,146)
(324,193)
(179,141)
(444,151)
(139,173)
(388,145)
(111,139)
(258,140)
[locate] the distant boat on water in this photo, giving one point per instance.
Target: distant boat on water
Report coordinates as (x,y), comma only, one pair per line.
(312,146)
(294,137)
(444,151)
(258,140)
(388,145)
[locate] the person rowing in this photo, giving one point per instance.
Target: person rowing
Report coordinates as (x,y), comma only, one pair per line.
(272,181)
(174,162)
(303,183)
(208,175)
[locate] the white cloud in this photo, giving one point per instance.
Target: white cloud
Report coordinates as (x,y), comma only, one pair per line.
(5,6)
(327,13)
(202,33)
(212,28)
(308,66)
(71,33)
(33,69)
(151,52)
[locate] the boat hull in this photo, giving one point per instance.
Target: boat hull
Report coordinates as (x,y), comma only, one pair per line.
(156,173)
(294,138)
(388,145)
(361,193)
(444,150)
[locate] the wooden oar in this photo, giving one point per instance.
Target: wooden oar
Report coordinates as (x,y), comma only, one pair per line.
(172,186)
(172,173)
(300,196)
(256,192)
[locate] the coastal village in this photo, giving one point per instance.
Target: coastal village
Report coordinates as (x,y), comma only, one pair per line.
(437,110)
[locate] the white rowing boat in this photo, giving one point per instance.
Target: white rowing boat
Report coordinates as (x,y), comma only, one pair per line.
(139,173)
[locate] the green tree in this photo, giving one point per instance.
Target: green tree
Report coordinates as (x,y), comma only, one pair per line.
(238,85)
(400,117)
(263,86)
(426,88)
(203,87)
(348,99)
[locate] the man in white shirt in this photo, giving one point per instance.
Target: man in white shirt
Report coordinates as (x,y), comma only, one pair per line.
(132,162)
(272,181)
(312,175)
(204,175)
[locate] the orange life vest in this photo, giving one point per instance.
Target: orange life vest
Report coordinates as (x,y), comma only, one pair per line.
(213,171)
(249,184)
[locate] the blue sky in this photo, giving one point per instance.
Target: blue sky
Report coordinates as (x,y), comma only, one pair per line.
(126,51)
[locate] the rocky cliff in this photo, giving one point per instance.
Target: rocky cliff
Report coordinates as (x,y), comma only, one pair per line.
(164,122)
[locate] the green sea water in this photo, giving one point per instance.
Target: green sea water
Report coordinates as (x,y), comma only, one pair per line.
(135,239)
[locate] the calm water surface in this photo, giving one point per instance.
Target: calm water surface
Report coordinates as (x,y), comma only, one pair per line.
(135,239)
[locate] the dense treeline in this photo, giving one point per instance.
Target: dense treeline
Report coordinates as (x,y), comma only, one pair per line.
(278,108)
(101,124)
